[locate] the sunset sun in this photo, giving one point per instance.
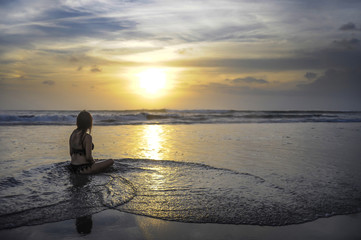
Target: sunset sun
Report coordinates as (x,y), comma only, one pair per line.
(152,81)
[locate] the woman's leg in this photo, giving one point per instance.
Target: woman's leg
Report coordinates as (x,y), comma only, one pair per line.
(98,166)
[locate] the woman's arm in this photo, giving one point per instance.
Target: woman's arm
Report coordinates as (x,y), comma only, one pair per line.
(88,148)
(70,148)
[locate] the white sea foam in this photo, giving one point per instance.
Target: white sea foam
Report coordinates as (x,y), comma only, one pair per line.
(164,116)
(177,191)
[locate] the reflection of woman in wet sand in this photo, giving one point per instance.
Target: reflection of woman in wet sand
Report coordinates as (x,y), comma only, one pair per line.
(83,223)
(81,147)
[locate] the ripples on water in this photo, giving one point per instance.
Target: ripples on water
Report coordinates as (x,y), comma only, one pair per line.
(178,191)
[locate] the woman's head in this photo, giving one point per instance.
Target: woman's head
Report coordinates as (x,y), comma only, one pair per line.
(84,121)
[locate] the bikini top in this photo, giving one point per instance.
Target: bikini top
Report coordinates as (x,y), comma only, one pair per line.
(81,151)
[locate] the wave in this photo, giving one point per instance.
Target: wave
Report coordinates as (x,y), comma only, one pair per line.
(169,190)
(165,116)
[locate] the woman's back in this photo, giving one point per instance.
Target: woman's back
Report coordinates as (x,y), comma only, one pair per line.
(80,145)
(76,140)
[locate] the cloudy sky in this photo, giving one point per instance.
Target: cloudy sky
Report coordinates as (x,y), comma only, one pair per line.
(224,54)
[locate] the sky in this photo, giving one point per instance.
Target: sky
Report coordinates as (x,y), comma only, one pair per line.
(229,54)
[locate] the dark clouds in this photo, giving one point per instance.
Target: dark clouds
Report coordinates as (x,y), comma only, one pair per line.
(333,90)
(88,27)
(230,33)
(352,43)
(336,82)
(310,75)
(62,13)
(5,3)
(265,64)
(319,59)
(341,53)
(247,80)
(95,69)
(336,89)
(348,27)
(48,82)
(29,24)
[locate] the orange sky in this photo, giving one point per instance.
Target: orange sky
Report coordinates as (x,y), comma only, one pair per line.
(259,55)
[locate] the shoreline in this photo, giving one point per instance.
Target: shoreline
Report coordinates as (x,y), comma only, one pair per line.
(113,224)
(319,162)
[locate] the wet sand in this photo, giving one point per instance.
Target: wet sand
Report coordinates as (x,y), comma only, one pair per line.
(259,149)
(112,224)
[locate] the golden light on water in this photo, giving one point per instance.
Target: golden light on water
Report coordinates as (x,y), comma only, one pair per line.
(153,142)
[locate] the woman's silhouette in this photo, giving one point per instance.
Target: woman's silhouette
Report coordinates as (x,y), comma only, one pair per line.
(81,146)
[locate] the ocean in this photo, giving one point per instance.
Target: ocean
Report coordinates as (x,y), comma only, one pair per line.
(268,168)
(165,116)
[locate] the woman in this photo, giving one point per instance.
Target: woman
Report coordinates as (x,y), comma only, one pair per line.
(81,147)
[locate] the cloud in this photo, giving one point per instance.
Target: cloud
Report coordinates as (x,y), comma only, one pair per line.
(5,3)
(239,32)
(87,27)
(95,69)
(266,64)
(247,80)
(338,89)
(348,27)
(62,12)
(348,43)
(48,82)
(184,51)
(335,89)
(340,54)
(335,82)
(310,75)
(258,38)
(200,21)
(73,59)
(26,24)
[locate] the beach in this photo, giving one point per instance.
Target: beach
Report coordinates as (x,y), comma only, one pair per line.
(112,224)
(264,180)
(180,120)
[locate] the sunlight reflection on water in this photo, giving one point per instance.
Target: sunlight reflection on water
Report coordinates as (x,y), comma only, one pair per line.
(153,142)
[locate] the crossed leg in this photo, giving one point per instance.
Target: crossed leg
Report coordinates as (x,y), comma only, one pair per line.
(98,166)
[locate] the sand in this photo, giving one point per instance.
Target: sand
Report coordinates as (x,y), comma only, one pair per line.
(112,224)
(259,149)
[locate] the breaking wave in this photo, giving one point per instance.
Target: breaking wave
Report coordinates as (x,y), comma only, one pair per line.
(165,116)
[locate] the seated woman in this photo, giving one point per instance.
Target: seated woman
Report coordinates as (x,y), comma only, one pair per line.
(81,147)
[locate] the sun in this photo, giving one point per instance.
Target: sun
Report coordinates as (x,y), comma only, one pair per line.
(152,80)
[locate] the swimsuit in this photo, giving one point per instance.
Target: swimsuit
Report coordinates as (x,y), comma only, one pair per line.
(78,168)
(81,151)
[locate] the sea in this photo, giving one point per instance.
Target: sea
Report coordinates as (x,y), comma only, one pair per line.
(267,168)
